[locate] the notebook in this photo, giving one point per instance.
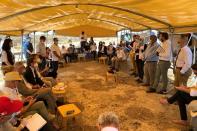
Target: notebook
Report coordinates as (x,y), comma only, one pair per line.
(35,122)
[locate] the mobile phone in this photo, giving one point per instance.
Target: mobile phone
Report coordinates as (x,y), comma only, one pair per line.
(35,96)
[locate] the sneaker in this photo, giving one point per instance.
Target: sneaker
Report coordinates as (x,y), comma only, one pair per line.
(151,90)
(136,78)
(162,92)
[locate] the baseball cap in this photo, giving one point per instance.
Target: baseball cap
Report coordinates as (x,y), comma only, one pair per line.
(8,106)
(12,76)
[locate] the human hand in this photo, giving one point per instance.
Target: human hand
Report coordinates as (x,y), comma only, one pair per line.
(28,98)
(181,88)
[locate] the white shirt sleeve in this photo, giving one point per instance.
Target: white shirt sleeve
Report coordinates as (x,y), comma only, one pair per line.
(193,92)
(37,49)
(166,54)
(5,58)
(187,61)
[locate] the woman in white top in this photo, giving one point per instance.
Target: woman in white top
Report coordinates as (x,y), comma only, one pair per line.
(7,56)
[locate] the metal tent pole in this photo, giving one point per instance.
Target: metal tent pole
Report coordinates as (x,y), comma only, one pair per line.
(171,30)
(22,32)
(34,42)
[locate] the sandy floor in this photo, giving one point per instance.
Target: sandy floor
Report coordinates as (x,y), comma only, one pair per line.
(137,110)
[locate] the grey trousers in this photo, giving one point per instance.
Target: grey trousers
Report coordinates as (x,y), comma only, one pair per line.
(46,94)
(162,71)
(149,72)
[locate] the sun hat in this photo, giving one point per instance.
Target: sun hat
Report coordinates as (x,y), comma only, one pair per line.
(12,76)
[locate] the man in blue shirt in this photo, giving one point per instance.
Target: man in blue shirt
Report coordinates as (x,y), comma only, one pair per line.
(150,58)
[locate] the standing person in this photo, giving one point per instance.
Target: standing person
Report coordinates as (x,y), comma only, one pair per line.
(150,58)
(64,52)
(83,41)
(165,54)
(41,51)
(56,55)
(140,62)
(110,53)
(93,48)
(183,62)
(7,56)
(116,60)
(28,47)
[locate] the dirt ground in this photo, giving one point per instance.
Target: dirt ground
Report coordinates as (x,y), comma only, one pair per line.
(137,110)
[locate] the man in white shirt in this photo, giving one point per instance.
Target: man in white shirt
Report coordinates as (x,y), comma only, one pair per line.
(116,60)
(93,48)
(183,62)
(83,40)
(56,55)
(165,54)
(41,51)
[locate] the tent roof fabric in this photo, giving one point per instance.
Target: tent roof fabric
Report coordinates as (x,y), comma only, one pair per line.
(114,15)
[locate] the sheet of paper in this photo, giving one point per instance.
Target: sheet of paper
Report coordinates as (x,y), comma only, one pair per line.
(35,122)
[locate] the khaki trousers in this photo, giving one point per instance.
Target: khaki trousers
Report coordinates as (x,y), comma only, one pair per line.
(149,72)
(181,79)
(162,71)
(133,63)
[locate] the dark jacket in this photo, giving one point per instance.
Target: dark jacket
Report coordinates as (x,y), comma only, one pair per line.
(28,75)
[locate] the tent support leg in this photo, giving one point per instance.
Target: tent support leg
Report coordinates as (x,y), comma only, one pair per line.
(22,32)
(34,42)
(171,30)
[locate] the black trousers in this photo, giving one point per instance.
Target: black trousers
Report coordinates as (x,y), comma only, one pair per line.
(140,68)
(42,65)
(94,54)
(55,68)
(182,98)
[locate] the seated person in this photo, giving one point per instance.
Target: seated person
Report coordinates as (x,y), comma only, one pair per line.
(108,122)
(31,75)
(183,96)
(8,108)
(116,60)
(26,89)
(30,105)
(44,74)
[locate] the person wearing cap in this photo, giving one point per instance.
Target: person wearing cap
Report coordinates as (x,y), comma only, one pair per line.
(31,106)
(120,56)
(56,56)
(26,89)
(151,59)
(183,96)
(108,121)
(8,108)
(183,62)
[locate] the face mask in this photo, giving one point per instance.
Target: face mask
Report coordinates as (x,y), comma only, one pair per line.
(36,65)
(38,60)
